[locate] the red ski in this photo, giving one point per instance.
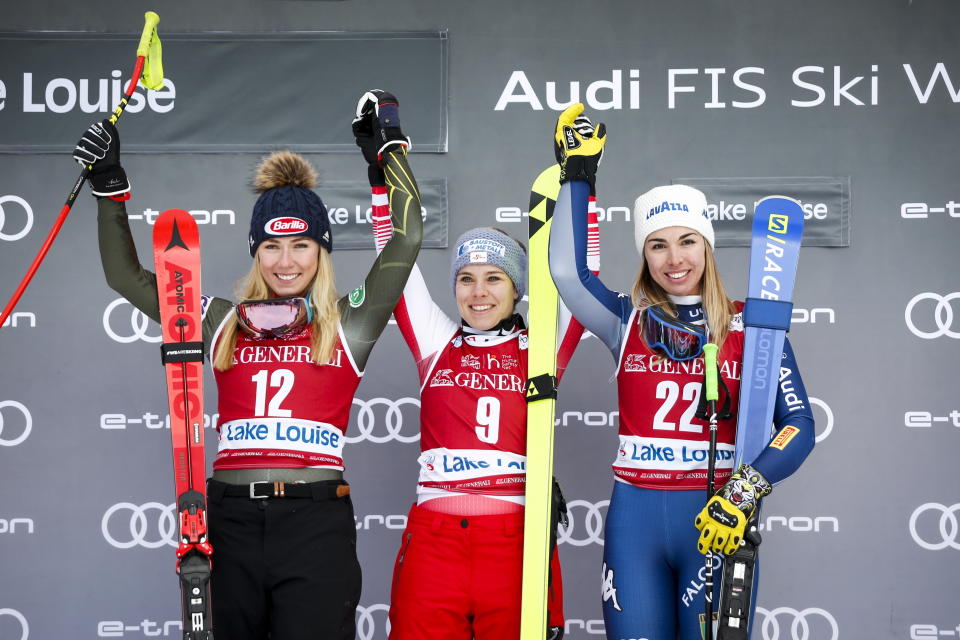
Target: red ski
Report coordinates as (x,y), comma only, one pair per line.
(176,254)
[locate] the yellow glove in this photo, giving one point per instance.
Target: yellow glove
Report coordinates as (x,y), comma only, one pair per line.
(578,150)
(723,522)
(721,526)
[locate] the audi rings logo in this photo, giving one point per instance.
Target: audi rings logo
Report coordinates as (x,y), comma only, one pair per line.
(812,623)
(371,619)
(382,420)
(137,328)
(585,523)
(11,237)
(20,622)
(939,535)
(828,424)
(943,316)
(5,439)
(151,525)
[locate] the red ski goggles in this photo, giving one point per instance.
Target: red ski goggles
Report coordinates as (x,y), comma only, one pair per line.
(274,317)
(679,340)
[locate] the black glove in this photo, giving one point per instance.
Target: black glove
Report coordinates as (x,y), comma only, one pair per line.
(100,147)
(376,129)
(364,126)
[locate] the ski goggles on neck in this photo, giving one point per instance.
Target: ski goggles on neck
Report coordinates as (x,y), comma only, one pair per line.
(274,317)
(679,340)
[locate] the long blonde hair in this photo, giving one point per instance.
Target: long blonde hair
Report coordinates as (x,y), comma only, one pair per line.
(717,307)
(323,301)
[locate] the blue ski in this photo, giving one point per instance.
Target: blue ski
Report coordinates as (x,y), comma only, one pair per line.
(774,250)
(777,232)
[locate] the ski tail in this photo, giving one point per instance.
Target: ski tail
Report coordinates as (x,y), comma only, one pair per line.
(541,398)
(176,244)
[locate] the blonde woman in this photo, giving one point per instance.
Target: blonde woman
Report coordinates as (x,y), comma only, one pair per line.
(653,570)
(287,358)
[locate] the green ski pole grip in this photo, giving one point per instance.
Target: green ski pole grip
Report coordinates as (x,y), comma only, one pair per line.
(710,371)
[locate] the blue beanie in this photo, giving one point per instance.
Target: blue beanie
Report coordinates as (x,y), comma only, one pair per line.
(287,205)
(489,246)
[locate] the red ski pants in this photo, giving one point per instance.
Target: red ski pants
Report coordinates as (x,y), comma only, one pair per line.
(459,577)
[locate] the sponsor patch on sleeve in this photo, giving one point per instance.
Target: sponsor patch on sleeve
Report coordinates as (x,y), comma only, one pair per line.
(357,296)
(783,438)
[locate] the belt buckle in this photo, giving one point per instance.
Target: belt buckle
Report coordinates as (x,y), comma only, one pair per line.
(279,490)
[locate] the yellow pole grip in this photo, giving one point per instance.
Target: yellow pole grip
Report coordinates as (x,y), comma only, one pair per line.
(150,22)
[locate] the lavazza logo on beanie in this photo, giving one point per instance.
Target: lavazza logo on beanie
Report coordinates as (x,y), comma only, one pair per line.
(666,206)
(285,226)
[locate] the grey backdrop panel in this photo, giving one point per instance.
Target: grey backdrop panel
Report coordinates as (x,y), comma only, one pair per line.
(860,543)
(212,75)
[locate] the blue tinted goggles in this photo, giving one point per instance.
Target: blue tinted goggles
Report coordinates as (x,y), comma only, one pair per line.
(679,340)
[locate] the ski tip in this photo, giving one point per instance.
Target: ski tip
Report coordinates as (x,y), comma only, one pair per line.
(778,201)
(547,182)
(176,227)
(780,215)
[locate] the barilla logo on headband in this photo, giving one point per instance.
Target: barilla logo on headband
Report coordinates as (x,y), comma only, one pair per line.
(285,226)
(482,245)
(667,206)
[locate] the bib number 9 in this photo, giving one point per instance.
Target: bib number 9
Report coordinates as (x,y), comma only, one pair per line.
(488,419)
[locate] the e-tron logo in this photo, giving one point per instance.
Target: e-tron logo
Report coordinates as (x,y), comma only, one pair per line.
(585,524)
(371,619)
(5,439)
(828,424)
(813,316)
(137,329)
(393,420)
(16,235)
(923,210)
(937,534)
(21,622)
(812,623)
(943,315)
(151,525)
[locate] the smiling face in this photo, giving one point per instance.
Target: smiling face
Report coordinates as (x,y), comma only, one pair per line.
(676,257)
(485,295)
(288,264)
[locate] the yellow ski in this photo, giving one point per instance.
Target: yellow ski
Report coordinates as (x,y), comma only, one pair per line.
(541,398)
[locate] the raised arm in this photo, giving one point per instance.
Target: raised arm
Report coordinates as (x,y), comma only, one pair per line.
(569,329)
(423,325)
(118,253)
(602,311)
(365,312)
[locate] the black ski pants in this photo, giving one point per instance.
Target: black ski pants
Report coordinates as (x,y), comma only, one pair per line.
(286,567)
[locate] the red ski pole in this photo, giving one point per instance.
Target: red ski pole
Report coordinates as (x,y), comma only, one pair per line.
(149,47)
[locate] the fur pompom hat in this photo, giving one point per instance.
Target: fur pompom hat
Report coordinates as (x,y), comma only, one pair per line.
(287,205)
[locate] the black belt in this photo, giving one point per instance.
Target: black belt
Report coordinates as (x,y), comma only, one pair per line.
(324,490)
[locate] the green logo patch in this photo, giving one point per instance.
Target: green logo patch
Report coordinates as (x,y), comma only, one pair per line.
(357,296)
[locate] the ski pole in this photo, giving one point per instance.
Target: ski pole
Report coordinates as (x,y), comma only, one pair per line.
(712,394)
(148,39)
